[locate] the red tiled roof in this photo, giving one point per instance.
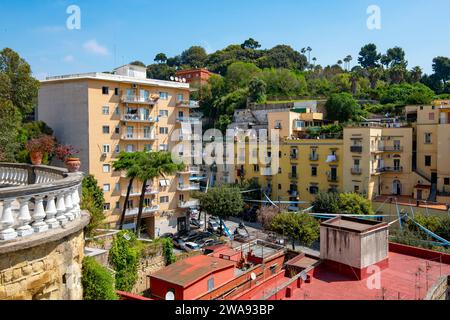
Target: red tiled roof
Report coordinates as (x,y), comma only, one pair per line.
(190,270)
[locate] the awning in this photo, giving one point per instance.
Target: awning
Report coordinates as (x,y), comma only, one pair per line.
(331,158)
(164,183)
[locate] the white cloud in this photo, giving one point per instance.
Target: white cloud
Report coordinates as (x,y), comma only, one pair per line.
(69,58)
(92,46)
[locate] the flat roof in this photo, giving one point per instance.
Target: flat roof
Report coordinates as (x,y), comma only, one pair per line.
(187,271)
(117,78)
(353,224)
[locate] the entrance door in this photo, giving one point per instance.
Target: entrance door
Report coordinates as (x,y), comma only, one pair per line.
(434,177)
(396,188)
(182,224)
(419,194)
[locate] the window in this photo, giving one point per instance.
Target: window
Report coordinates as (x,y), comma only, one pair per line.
(117,130)
(427,137)
(116,91)
(163,113)
(118,205)
(211,284)
(105,129)
(447,181)
(116,111)
(106,168)
(163,147)
(105,110)
(427,161)
(314,171)
(356,189)
(117,150)
(164,96)
(148,148)
(431,116)
(107,206)
(105,90)
(180,97)
(106,187)
(106,148)
(130,148)
(163,130)
(279,186)
(277,124)
(255,168)
(164,199)
(117,187)
(147,202)
(314,189)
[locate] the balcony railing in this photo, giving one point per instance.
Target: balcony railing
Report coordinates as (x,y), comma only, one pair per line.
(134,211)
(293,175)
(138,100)
(188,104)
(36,199)
(188,119)
(149,192)
(314,157)
(137,118)
(191,170)
(389,169)
(188,204)
(189,187)
(391,149)
(356,170)
(139,135)
(332,178)
(357,149)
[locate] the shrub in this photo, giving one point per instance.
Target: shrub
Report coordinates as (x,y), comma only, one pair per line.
(168,254)
(326,202)
(97,281)
(353,203)
(92,200)
(124,257)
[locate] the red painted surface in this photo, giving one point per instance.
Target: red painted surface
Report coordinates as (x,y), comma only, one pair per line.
(129,296)
(419,252)
(195,75)
(353,272)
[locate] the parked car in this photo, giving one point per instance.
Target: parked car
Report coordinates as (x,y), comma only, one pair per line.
(206,242)
(213,226)
(214,219)
(179,243)
(167,235)
(192,246)
(197,223)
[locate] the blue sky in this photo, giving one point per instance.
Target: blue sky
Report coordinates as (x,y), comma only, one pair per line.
(116,31)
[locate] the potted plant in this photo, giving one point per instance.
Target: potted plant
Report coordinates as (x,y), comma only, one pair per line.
(38,147)
(66,153)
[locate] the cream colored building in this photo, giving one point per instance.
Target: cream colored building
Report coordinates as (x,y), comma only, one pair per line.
(103,114)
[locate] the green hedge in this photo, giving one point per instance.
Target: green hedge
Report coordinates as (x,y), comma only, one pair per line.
(97,281)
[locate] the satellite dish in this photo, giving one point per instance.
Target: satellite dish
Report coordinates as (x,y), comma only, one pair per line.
(303,276)
(170,296)
(253,276)
(172,78)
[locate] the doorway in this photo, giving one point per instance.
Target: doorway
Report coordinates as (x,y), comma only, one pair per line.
(397,188)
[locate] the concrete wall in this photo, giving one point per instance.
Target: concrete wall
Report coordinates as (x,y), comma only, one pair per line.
(340,246)
(374,247)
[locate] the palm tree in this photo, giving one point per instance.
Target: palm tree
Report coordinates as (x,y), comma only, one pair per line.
(314,61)
(127,161)
(354,77)
(416,74)
(153,165)
(339,62)
(309,49)
(348,59)
(374,74)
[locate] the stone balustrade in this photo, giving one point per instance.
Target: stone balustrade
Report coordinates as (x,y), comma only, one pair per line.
(36,199)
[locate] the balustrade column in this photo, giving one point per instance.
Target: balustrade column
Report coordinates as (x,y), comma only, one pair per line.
(76,203)
(7,231)
(61,209)
(39,215)
(51,212)
(69,206)
(24,218)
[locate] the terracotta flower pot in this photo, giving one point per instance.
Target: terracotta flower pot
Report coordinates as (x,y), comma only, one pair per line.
(73,164)
(36,157)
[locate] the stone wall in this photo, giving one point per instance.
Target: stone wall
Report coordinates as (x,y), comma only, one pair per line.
(45,266)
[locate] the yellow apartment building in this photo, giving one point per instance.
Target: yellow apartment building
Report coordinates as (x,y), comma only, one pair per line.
(104,114)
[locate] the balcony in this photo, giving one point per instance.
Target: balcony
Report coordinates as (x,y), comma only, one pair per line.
(188,204)
(356,171)
(188,104)
(145,211)
(149,192)
(293,175)
(356,149)
(389,169)
(139,136)
(188,187)
(36,200)
(294,156)
(138,100)
(391,149)
(332,178)
(192,120)
(293,193)
(137,118)
(314,157)
(332,158)
(191,170)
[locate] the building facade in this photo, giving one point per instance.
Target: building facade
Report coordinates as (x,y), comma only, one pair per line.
(105,114)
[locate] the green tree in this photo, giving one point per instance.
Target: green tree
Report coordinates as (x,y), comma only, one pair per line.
(352,203)
(17,82)
(138,63)
(168,254)
(298,227)
(416,74)
(223,122)
(257,90)
(127,161)
(92,200)
(394,57)
(222,201)
(369,56)
(160,71)
(124,258)
(283,56)
(149,167)
(441,68)
(341,107)
(251,44)
(194,57)
(160,58)
(326,202)
(97,281)
(10,121)
(239,75)
(403,94)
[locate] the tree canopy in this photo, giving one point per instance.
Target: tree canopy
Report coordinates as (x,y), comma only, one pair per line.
(222,201)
